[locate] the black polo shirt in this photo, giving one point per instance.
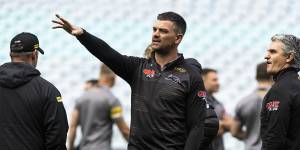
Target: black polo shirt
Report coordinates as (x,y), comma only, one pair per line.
(167,104)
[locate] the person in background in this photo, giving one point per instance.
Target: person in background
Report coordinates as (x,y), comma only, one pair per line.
(89,84)
(211,122)
(96,111)
(149,53)
(211,83)
(246,124)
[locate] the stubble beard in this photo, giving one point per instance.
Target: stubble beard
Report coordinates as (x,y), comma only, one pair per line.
(163,51)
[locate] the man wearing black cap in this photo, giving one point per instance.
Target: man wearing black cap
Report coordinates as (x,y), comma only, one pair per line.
(32,115)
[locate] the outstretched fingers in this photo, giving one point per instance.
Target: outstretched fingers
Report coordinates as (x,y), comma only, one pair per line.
(60,22)
(60,18)
(58,26)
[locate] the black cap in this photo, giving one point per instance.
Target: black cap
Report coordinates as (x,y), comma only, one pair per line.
(25,43)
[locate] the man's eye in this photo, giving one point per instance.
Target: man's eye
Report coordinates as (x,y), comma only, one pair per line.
(164,31)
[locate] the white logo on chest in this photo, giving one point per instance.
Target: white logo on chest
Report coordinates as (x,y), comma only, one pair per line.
(173,78)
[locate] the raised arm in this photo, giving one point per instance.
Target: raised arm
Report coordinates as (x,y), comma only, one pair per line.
(67,26)
(122,65)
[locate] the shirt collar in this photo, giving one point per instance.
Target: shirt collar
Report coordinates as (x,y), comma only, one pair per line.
(280,74)
(170,64)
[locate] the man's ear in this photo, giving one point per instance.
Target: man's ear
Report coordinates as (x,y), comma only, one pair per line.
(11,56)
(290,57)
(178,38)
(33,55)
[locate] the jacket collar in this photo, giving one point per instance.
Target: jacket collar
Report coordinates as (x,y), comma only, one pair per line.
(281,73)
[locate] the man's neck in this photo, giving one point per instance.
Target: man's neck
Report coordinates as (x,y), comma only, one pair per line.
(162,60)
(104,83)
(18,60)
(210,93)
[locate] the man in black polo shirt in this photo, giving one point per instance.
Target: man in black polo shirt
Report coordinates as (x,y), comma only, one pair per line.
(168,95)
(280,113)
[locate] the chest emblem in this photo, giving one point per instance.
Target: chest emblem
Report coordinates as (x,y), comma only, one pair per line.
(273,105)
(179,69)
(149,73)
(173,78)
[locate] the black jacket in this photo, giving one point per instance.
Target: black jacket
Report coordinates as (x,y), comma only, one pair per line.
(32,116)
(280,115)
(167,105)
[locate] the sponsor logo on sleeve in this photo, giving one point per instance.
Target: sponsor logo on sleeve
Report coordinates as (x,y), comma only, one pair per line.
(116,112)
(149,73)
(202,95)
(59,99)
(273,105)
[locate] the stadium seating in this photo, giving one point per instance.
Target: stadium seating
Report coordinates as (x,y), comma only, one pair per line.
(229,35)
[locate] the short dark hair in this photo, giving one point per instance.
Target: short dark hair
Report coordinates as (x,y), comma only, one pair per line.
(93,82)
(180,24)
(205,71)
(261,72)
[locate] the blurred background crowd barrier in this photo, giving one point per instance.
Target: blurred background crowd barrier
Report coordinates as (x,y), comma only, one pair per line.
(228,35)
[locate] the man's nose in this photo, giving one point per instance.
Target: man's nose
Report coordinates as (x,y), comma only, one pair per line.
(156,33)
(267,56)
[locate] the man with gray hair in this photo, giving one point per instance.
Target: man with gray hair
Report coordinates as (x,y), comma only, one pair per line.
(280,113)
